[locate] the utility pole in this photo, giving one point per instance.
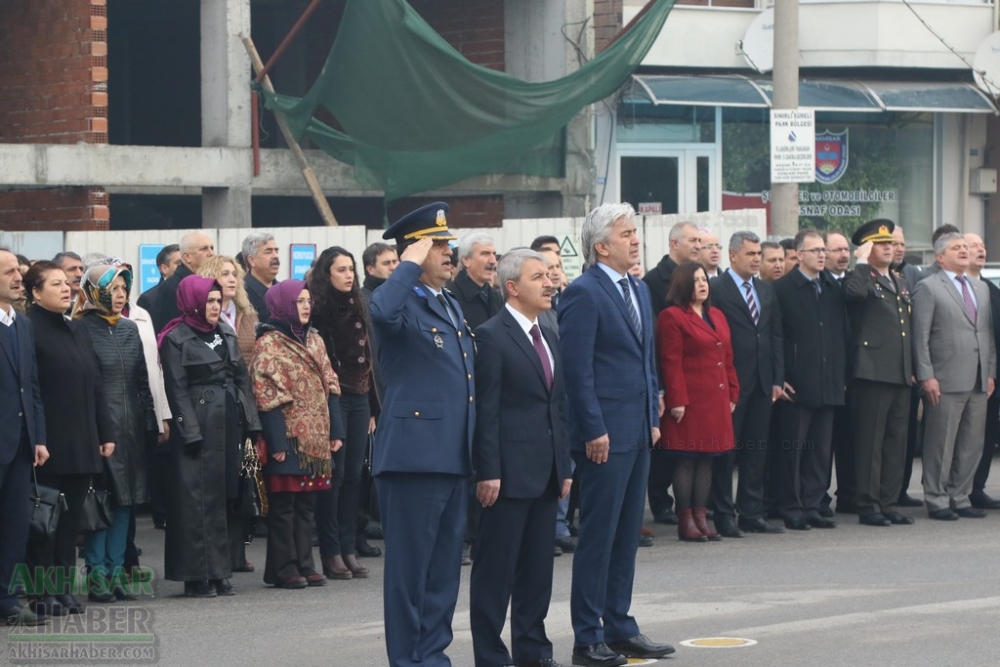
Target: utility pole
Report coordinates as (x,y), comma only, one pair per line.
(785,77)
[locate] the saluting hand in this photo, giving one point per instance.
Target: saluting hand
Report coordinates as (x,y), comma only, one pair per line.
(598,448)
(863,251)
(417,252)
(487,491)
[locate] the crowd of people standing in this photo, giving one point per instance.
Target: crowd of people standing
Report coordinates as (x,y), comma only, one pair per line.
(494,401)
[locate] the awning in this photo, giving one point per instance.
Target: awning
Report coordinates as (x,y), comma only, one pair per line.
(731,90)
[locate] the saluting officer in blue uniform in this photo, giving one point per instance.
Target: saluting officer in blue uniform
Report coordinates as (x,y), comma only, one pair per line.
(422,458)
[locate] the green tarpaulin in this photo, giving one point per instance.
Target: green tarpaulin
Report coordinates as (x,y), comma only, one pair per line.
(417,115)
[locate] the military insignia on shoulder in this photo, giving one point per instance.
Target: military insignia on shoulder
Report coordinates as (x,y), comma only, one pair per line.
(418,291)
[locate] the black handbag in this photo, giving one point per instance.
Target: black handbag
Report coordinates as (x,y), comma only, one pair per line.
(47,505)
(95,515)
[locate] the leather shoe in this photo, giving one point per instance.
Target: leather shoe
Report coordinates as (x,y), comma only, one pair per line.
(943,514)
(820,521)
(874,519)
(597,655)
(544,662)
(357,569)
(641,647)
(898,519)
(826,511)
(645,541)
(315,579)
(970,513)
(906,500)
(667,516)
(759,526)
(334,568)
(224,587)
(71,604)
(103,596)
(982,501)
(247,566)
(373,531)
(556,552)
(366,550)
(47,606)
(797,523)
(567,544)
(24,616)
(294,582)
(726,527)
(199,589)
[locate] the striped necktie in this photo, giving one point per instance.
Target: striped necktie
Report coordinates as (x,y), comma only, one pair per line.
(632,314)
(751,304)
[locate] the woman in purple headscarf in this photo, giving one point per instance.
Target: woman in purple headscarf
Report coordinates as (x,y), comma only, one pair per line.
(297,395)
(210,397)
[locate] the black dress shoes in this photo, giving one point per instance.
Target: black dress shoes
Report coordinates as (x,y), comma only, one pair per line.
(906,500)
(820,521)
(980,500)
(223,587)
(667,516)
(970,513)
(641,647)
(797,523)
(545,662)
(366,550)
(898,519)
(826,511)
(24,616)
(567,544)
(71,604)
(48,606)
(199,589)
(725,526)
(597,655)
(944,514)
(760,526)
(874,519)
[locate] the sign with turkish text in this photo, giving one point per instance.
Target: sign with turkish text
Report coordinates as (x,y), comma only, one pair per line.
(650,208)
(149,272)
(793,146)
(302,256)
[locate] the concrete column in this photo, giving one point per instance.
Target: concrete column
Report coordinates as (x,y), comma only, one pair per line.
(225,102)
(785,196)
(536,50)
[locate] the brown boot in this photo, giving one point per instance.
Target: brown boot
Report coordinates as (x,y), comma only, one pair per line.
(335,568)
(358,570)
(686,530)
(701,523)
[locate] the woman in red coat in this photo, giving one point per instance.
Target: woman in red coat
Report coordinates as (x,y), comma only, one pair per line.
(701,390)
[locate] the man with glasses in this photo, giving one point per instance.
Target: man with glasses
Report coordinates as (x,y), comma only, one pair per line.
(711,253)
(838,258)
(815,332)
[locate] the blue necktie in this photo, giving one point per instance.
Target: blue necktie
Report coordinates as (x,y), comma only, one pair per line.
(632,314)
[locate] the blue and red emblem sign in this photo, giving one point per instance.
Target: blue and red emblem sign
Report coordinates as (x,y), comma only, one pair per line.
(831,156)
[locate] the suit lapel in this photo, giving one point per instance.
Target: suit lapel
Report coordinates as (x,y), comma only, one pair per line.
(952,289)
(729,285)
(434,305)
(612,289)
(6,348)
(515,331)
(700,323)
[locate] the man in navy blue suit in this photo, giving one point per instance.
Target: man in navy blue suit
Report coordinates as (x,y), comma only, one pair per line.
(606,328)
(22,435)
(422,454)
(522,467)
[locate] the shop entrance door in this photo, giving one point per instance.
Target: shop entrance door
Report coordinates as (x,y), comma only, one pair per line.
(678,181)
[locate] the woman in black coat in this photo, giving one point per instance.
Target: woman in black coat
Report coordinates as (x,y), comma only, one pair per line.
(213,408)
(104,293)
(77,422)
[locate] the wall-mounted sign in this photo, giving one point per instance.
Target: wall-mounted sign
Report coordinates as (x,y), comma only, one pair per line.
(302,256)
(650,208)
(149,272)
(793,146)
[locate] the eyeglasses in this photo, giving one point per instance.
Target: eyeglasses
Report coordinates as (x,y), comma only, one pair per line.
(815,251)
(838,250)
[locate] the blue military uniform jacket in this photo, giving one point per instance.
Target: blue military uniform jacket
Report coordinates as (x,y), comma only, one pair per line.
(428,410)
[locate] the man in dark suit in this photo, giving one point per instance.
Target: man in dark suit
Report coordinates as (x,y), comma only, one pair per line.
(22,436)
(751,309)
(685,246)
(606,328)
(521,458)
(196,247)
(167,261)
(878,304)
(260,252)
(422,454)
(815,330)
(979,498)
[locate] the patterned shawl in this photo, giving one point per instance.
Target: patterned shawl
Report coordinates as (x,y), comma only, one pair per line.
(298,379)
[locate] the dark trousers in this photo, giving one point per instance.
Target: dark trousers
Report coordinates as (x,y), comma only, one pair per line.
(60,551)
(751,422)
(914,434)
(661,476)
(236,526)
(513,566)
(157,464)
(15,515)
(844,448)
(880,414)
(990,444)
(612,503)
(289,536)
(337,508)
(423,520)
(802,466)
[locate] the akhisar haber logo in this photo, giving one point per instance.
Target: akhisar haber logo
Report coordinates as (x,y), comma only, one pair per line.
(831,156)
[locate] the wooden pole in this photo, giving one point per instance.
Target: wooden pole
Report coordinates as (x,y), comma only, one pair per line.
(322,205)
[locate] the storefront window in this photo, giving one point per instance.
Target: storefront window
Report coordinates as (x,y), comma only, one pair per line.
(867,166)
(643,122)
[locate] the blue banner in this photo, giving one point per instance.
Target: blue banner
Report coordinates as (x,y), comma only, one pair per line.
(302,257)
(149,272)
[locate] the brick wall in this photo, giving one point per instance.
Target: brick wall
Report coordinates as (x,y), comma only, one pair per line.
(473,27)
(607,22)
(53,73)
